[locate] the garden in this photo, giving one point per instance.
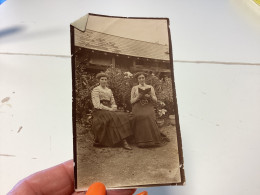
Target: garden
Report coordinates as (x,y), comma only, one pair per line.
(121,83)
(111,158)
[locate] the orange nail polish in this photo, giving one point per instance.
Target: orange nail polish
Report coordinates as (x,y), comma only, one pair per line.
(96,189)
(143,193)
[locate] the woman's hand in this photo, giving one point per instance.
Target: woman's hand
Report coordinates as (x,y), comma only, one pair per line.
(147,95)
(59,180)
(139,96)
(110,109)
(114,109)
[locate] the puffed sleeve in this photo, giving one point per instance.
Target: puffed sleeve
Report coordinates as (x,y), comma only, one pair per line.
(134,97)
(96,100)
(153,94)
(112,100)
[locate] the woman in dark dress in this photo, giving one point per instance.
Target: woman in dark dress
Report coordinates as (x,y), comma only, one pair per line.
(110,127)
(146,131)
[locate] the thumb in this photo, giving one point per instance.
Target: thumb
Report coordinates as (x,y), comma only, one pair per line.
(143,193)
(96,189)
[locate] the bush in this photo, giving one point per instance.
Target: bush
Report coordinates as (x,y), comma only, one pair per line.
(166,95)
(85,82)
(121,84)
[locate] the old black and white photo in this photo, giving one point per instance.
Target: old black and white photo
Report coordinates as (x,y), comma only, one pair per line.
(125,115)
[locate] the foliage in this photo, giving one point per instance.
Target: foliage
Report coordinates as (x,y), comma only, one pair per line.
(166,95)
(160,109)
(85,82)
(121,84)
(156,83)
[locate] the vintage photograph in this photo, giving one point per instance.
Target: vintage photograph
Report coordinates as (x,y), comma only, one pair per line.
(125,116)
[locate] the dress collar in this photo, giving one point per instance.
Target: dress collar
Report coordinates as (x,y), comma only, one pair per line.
(102,87)
(139,85)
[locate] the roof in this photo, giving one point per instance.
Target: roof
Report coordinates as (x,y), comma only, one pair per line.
(120,45)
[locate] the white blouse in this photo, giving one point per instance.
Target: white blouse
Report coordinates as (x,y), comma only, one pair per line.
(100,93)
(135,93)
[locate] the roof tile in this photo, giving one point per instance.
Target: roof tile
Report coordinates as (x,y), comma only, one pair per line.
(120,45)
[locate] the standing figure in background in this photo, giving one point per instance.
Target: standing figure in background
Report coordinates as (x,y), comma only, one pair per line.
(145,129)
(110,126)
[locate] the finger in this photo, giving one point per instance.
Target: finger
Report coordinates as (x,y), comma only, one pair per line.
(143,193)
(100,189)
(78,193)
(121,192)
(96,189)
(55,180)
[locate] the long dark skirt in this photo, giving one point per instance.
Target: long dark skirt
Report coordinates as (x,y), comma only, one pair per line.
(109,127)
(146,131)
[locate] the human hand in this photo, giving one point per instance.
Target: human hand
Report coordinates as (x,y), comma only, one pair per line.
(57,180)
(100,189)
(139,96)
(147,95)
(112,109)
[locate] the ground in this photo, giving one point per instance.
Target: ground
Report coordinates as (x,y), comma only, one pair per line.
(119,167)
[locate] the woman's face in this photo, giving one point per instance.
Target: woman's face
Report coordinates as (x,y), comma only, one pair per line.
(103,81)
(141,79)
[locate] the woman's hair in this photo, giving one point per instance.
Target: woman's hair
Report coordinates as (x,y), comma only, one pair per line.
(140,73)
(101,74)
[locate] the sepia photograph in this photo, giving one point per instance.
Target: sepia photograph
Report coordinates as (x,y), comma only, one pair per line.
(125,117)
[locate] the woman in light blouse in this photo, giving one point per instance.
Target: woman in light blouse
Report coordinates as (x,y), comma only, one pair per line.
(145,129)
(109,126)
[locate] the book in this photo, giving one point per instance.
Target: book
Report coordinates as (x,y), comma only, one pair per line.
(143,92)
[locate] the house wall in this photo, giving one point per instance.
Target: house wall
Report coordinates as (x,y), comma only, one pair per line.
(97,61)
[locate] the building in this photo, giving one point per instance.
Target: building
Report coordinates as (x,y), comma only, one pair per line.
(95,51)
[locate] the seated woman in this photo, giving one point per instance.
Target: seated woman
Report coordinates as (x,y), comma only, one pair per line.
(146,131)
(109,126)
